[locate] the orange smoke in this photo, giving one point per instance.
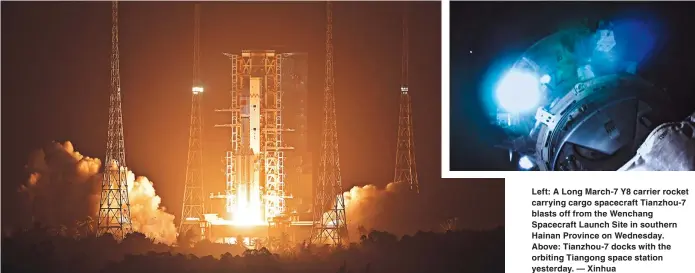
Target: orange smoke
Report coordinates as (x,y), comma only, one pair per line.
(148,217)
(64,187)
(391,209)
(478,204)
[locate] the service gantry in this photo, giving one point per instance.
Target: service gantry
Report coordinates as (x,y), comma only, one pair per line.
(255,172)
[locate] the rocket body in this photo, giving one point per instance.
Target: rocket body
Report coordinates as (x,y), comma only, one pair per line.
(248,192)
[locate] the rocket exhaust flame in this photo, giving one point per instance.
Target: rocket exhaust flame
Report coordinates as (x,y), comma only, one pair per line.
(248,208)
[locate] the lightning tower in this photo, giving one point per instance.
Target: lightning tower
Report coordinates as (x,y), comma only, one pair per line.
(193,198)
(405,150)
(330,225)
(114,206)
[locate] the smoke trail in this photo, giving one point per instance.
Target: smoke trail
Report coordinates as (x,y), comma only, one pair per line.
(64,187)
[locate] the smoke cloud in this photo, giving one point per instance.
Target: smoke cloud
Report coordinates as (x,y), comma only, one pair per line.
(393,208)
(148,217)
(470,204)
(64,187)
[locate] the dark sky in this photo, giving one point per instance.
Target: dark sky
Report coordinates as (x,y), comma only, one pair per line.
(55,84)
(498,32)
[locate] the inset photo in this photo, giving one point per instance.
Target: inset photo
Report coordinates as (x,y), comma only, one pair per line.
(571,86)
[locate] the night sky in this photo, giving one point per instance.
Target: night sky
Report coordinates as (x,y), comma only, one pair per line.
(498,32)
(55,84)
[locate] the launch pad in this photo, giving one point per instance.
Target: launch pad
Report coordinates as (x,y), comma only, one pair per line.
(257,167)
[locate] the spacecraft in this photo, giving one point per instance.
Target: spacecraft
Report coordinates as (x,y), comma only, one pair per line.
(573,101)
(670,147)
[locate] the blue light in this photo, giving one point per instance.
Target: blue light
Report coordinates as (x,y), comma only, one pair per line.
(518,92)
(525,163)
(545,79)
(635,38)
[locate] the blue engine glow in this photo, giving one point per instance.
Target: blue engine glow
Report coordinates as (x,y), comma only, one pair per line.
(545,79)
(518,92)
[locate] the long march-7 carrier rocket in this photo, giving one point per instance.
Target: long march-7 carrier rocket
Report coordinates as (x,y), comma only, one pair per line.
(248,176)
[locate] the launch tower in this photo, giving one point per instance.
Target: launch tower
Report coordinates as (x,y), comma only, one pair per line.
(330,226)
(405,150)
(193,198)
(114,206)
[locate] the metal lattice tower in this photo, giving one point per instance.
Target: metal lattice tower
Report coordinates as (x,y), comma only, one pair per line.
(405,150)
(329,206)
(114,206)
(193,197)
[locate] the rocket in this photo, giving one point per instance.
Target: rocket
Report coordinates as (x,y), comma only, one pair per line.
(247,180)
